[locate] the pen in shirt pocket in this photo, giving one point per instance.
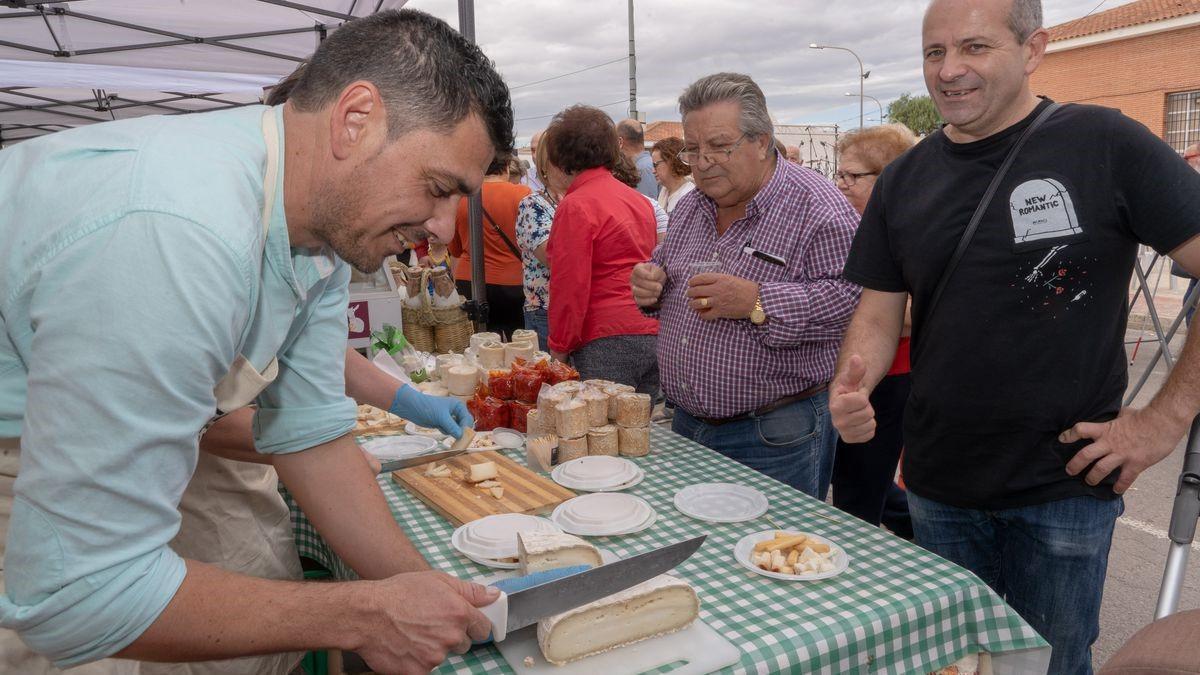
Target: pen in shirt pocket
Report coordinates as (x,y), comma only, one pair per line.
(763,256)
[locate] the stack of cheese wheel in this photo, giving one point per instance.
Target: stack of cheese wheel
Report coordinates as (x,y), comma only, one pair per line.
(572,424)
(525,335)
(633,424)
(613,391)
(490,355)
(603,440)
(443,364)
(479,338)
(461,379)
(518,350)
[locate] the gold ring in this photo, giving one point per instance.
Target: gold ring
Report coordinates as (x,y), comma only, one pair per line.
(703,303)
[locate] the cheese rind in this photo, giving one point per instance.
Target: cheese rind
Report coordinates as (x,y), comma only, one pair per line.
(540,551)
(662,605)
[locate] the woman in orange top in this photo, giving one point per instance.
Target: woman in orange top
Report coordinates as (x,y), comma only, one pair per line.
(501,257)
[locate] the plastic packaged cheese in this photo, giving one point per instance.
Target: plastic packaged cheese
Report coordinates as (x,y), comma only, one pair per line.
(572,448)
(490,355)
(597,406)
(603,441)
(633,441)
(613,391)
(633,410)
(572,420)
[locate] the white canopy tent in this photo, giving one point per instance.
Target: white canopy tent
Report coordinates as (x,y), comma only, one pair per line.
(75,62)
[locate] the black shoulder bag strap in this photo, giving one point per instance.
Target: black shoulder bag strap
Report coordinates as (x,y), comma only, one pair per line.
(500,231)
(969,233)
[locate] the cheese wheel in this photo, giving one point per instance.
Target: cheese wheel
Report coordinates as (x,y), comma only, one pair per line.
(570,387)
(526,335)
(603,441)
(541,451)
(572,448)
(538,423)
(444,362)
(571,419)
(597,406)
(633,410)
(548,400)
(662,605)
(518,350)
(613,391)
(480,338)
(433,389)
(490,355)
(633,441)
(461,380)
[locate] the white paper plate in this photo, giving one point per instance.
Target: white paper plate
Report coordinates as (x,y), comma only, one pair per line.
(604,514)
(595,473)
(387,448)
(721,502)
(508,438)
(745,547)
(495,537)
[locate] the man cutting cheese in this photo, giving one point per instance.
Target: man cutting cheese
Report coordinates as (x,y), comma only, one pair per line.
(197,264)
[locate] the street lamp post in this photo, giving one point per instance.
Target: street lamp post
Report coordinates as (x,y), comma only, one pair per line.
(862,75)
(876,103)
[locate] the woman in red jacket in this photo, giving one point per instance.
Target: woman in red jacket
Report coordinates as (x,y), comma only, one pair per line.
(602,228)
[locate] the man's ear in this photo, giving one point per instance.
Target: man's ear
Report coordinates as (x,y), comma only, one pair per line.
(1035,48)
(353,120)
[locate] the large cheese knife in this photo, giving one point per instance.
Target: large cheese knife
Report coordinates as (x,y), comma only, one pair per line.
(513,611)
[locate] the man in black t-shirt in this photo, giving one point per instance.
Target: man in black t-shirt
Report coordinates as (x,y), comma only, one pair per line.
(1015,452)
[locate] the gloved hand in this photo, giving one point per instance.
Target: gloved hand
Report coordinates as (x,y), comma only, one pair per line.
(442,412)
(514,584)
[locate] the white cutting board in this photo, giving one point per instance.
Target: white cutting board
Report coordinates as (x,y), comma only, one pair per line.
(703,649)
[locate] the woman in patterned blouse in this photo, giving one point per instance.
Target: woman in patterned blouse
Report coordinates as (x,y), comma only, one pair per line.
(535,215)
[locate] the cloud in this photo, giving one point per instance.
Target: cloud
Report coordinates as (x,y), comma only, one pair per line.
(679,41)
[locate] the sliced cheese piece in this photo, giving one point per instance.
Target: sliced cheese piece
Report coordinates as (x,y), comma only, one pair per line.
(497,492)
(539,551)
(463,442)
(662,605)
(483,471)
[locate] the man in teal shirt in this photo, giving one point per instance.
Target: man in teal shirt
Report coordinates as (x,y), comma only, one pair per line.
(158,271)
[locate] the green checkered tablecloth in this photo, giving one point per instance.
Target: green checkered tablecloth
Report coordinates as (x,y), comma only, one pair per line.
(897,609)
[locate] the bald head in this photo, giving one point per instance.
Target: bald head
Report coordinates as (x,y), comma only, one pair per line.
(534,140)
(1024,16)
(630,137)
(1192,155)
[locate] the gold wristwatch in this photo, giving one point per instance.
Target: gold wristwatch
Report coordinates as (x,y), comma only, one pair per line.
(757,316)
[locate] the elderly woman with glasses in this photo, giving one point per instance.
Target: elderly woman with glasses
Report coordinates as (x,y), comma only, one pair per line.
(863,473)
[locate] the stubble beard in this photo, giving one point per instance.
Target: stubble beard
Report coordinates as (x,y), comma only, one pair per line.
(331,218)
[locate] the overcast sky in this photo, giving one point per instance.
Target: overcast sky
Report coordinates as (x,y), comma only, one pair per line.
(681,40)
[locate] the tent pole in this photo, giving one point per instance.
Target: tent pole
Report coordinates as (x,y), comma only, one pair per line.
(478,309)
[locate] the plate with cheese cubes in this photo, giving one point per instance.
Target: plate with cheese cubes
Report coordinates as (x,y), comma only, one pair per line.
(790,555)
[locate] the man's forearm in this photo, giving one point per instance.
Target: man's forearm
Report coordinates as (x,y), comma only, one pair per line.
(232,437)
(1178,401)
(338,493)
(874,340)
(217,614)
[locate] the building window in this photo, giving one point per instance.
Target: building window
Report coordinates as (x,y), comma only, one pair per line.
(1182,126)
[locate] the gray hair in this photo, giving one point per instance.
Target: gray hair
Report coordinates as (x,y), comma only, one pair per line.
(718,87)
(1024,17)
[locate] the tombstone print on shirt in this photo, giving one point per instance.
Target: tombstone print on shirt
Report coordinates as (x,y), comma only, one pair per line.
(1042,210)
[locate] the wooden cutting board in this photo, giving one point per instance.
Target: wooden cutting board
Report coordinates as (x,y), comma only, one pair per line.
(460,502)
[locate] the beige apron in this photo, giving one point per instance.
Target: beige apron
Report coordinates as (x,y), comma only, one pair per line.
(232,513)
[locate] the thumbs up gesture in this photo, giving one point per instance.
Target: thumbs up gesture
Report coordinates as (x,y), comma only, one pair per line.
(850,404)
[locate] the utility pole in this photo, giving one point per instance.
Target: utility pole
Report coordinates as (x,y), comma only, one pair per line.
(477,307)
(633,112)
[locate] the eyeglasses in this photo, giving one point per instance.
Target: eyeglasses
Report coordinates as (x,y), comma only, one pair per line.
(850,178)
(714,156)
(655,164)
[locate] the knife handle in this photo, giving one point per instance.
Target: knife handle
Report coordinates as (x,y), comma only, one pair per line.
(497,614)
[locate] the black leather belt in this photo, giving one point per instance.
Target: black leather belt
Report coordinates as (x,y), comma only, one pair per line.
(770,407)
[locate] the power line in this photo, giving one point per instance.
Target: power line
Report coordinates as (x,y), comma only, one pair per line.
(573,72)
(542,117)
(1088,14)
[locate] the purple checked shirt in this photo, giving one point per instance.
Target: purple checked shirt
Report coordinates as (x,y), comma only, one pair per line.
(728,367)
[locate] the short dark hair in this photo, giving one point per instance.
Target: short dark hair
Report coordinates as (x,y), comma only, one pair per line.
(631,130)
(668,149)
(1024,17)
(429,75)
(280,93)
(580,138)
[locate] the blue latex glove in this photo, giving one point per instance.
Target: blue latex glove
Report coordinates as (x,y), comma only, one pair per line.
(514,584)
(441,412)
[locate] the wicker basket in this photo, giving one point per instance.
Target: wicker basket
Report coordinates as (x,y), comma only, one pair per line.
(437,330)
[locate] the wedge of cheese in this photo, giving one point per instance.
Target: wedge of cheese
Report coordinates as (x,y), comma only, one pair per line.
(656,607)
(539,551)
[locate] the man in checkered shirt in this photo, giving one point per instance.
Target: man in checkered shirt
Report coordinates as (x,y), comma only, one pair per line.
(749,292)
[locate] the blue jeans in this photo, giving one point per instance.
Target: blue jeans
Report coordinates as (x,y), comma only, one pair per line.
(793,444)
(538,321)
(1047,561)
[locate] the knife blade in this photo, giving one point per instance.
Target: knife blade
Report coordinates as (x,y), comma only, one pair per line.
(397,464)
(513,611)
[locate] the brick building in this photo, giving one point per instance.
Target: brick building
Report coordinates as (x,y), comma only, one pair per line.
(1142,57)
